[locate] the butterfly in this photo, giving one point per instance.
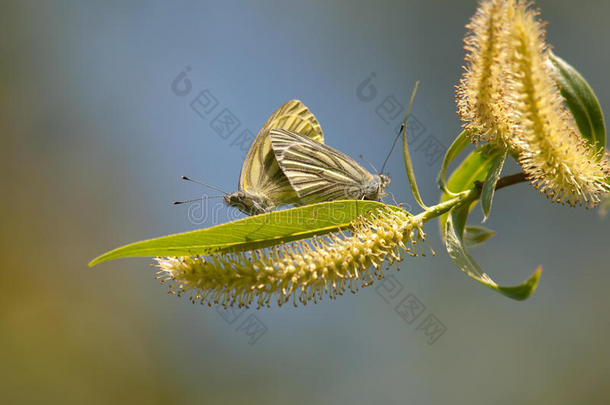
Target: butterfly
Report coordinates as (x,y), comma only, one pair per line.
(262,184)
(319,173)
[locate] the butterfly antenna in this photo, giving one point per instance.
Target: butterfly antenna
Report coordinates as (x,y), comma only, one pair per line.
(196,199)
(393,145)
(204,184)
(370,164)
(402,126)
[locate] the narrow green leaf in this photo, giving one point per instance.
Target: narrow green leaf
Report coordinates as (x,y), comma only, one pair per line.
(407,156)
(461,257)
(252,232)
(460,216)
(459,144)
(489,186)
(477,235)
(473,168)
(581,101)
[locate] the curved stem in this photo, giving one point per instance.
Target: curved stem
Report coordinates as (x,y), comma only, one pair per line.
(441,208)
(467,196)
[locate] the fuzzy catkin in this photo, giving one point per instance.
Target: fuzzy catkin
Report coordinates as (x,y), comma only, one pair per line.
(301,271)
(558,161)
(480,90)
(508,97)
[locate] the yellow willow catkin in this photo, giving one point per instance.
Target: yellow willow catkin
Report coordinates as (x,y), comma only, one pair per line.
(480,90)
(508,96)
(301,271)
(557,160)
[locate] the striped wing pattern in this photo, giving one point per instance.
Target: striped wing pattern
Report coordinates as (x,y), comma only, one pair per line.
(316,171)
(260,173)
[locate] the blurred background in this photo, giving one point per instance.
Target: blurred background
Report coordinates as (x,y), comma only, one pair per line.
(105,104)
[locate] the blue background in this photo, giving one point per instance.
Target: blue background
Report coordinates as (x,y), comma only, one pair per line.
(94,141)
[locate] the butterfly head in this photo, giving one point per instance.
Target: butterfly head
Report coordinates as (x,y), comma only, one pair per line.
(248,203)
(385,181)
(375,188)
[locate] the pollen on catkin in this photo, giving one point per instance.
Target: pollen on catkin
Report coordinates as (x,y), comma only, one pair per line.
(479,93)
(558,161)
(300,271)
(508,96)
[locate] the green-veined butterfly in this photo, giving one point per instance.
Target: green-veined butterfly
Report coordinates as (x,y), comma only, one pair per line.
(262,185)
(319,173)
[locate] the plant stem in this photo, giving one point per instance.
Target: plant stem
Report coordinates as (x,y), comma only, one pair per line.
(510,180)
(466,196)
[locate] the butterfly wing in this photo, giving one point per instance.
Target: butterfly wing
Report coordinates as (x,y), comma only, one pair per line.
(260,173)
(316,171)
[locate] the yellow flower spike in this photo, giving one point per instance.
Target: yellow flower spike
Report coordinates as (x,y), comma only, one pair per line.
(304,271)
(480,90)
(508,96)
(557,160)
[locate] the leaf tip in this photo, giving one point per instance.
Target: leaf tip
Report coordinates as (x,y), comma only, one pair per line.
(523,291)
(95,261)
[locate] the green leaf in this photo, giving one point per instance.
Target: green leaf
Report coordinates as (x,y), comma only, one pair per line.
(581,101)
(460,216)
(477,235)
(459,144)
(252,232)
(407,155)
(461,257)
(472,169)
(489,186)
